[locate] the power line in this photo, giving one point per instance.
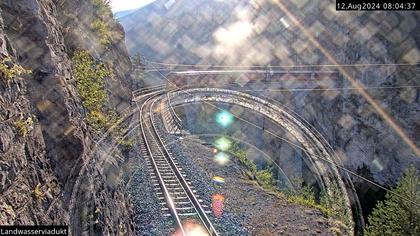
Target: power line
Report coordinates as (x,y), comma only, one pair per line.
(285,66)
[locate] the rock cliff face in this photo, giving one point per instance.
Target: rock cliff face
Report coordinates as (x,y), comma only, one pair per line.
(52,168)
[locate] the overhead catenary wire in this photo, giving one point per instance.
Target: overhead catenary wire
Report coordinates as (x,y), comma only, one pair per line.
(284,66)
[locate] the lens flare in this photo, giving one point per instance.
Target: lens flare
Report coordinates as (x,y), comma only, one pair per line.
(219,179)
(217,205)
(221,158)
(223,144)
(224,118)
(191,228)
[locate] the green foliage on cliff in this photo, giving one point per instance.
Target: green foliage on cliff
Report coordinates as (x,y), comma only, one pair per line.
(399,213)
(101,25)
(90,80)
(10,70)
(23,126)
(101,28)
(102,7)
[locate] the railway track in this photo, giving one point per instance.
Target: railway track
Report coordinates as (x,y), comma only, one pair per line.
(178,197)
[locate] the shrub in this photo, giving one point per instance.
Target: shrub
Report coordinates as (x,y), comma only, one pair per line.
(23,127)
(103,32)
(90,80)
(38,194)
(102,7)
(97,120)
(265,178)
(306,196)
(11,70)
(240,154)
(398,214)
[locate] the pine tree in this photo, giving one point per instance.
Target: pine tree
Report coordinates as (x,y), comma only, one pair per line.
(399,213)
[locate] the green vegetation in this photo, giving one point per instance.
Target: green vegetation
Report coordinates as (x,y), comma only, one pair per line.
(305,195)
(90,77)
(102,7)
(310,202)
(331,205)
(101,28)
(10,70)
(265,178)
(335,201)
(90,82)
(125,142)
(98,121)
(240,154)
(302,195)
(38,194)
(23,127)
(399,213)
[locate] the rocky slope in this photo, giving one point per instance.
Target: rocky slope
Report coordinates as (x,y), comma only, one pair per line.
(53,168)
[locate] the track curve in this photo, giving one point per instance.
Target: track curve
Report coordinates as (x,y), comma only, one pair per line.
(172,184)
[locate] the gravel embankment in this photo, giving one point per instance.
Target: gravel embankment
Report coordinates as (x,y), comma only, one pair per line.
(148,217)
(248,209)
(259,212)
(228,224)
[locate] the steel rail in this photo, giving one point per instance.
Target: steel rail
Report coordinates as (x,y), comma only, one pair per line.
(166,194)
(148,89)
(151,137)
(177,119)
(199,209)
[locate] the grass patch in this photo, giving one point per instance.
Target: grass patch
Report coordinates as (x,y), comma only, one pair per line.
(10,70)
(38,194)
(23,127)
(240,154)
(306,196)
(302,195)
(265,178)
